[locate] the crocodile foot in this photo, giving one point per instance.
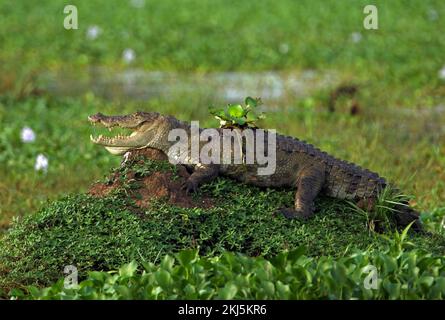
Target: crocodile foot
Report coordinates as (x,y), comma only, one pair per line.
(190,186)
(403,219)
(295,214)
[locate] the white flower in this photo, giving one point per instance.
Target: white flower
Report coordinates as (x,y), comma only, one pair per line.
(128,55)
(356,37)
(93,32)
(442,73)
(284,48)
(41,163)
(27,135)
(137,3)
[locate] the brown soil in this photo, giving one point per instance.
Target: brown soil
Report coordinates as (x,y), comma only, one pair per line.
(158,185)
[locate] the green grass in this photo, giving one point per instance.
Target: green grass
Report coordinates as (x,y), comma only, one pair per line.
(75,230)
(402,58)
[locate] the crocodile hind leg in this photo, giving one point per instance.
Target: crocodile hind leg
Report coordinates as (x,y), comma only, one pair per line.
(202,174)
(309,183)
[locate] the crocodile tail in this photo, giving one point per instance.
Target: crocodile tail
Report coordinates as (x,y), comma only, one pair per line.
(404,215)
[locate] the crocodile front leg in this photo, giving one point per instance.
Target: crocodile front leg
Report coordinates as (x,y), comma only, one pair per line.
(309,183)
(202,174)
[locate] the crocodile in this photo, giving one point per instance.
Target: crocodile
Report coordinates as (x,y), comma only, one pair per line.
(299,165)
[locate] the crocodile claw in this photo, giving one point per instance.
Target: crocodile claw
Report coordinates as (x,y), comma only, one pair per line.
(190,186)
(289,213)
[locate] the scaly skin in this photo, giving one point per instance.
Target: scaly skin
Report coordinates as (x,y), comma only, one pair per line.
(298,165)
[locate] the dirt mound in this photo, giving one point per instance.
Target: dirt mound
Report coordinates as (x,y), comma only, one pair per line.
(144,188)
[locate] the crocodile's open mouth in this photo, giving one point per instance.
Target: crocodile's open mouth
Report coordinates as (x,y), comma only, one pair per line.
(120,143)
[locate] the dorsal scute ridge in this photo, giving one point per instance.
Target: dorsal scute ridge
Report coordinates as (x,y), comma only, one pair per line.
(289,144)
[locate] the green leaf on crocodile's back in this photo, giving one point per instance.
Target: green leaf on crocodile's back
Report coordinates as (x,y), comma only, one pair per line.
(261,116)
(251,102)
(236,110)
(241,121)
(217,113)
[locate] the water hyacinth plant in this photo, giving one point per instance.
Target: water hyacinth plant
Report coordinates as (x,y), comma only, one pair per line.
(128,55)
(237,115)
(27,135)
(41,163)
(400,274)
(93,32)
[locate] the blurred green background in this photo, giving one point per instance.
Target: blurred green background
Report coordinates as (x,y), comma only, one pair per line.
(179,57)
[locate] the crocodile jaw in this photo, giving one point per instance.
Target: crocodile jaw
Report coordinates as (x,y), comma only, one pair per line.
(120,144)
(117,150)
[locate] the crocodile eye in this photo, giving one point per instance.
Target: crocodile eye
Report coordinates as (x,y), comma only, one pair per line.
(139,115)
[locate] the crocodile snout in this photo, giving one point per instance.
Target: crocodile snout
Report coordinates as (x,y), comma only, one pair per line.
(96,117)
